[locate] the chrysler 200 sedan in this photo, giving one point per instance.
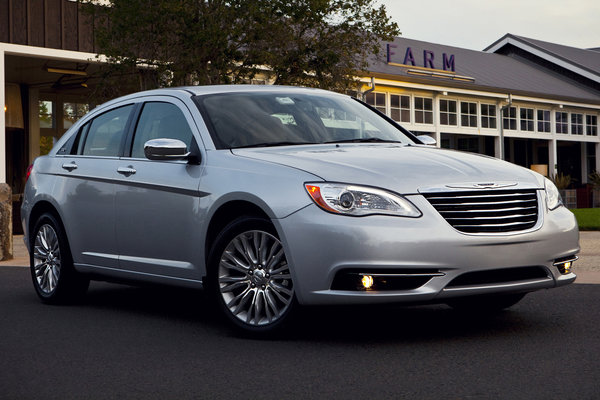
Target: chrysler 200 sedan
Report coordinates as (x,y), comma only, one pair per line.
(275,197)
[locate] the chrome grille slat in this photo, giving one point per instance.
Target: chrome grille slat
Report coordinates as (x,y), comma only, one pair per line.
(496,217)
(487,211)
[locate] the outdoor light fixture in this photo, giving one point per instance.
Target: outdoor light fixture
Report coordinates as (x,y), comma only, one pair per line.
(65,71)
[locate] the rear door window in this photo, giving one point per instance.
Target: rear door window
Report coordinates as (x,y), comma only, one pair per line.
(105,133)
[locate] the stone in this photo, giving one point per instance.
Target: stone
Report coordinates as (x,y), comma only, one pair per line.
(6,238)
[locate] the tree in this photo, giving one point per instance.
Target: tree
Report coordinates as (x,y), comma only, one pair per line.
(319,43)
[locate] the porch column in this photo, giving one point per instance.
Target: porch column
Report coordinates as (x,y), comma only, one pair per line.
(584,164)
(552,158)
(34,125)
(597,156)
(2,120)
(5,192)
(497,147)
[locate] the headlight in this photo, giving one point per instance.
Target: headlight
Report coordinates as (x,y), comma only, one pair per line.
(553,199)
(359,200)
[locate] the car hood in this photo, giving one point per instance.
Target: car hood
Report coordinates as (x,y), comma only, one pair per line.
(401,168)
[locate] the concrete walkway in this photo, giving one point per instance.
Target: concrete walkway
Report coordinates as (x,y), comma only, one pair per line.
(587,267)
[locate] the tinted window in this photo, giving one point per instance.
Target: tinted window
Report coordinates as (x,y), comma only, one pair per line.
(160,120)
(106,132)
(279,118)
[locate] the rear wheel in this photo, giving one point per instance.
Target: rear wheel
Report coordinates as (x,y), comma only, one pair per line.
(250,277)
(486,303)
(54,277)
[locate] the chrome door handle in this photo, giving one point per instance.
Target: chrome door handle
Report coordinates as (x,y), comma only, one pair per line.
(126,170)
(70,166)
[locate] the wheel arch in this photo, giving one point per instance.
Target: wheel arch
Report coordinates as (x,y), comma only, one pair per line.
(226,213)
(40,208)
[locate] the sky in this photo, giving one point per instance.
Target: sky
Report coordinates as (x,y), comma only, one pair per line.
(475,24)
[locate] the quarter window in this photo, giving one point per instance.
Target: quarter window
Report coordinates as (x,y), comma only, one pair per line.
(423,110)
(400,108)
(543,120)
(376,100)
(562,122)
(488,116)
(468,114)
(577,124)
(447,112)
(106,133)
(160,120)
(591,125)
(509,118)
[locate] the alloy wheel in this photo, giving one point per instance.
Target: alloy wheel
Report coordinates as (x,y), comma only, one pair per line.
(46,259)
(254,278)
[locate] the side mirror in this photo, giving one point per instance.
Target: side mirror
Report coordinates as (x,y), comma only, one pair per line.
(426,139)
(165,149)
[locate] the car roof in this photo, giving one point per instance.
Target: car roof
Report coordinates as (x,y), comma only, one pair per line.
(187,91)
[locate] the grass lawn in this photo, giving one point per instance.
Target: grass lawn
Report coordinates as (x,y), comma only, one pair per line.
(588,218)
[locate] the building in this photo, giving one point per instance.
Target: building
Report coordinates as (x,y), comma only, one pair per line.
(530,102)
(535,103)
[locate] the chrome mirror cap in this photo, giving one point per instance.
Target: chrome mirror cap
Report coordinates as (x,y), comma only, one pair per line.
(426,139)
(165,149)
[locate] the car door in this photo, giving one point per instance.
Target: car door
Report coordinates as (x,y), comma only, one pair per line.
(157,202)
(85,188)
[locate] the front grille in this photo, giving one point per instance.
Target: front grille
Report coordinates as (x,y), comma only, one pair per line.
(487,211)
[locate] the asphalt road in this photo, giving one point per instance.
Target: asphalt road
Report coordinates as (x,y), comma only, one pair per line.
(151,343)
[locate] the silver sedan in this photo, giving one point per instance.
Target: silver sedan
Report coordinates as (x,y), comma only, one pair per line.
(274,197)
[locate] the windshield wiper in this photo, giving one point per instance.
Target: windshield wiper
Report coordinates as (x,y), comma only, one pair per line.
(365,140)
(272,144)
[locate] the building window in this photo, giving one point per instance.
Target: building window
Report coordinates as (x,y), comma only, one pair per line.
(46,114)
(527,119)
(400,108)
(423,110)
(562,122)
(543,120)
(509,118)
(447,112)
(577,124)
(72,112)
(468,114)
(376,100)
(488,116)
(591,125)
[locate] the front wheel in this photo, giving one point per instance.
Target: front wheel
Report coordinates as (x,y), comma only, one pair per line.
(486,303)
(250,277)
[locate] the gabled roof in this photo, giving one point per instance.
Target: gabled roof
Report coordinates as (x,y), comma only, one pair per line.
(584,62)
(486,70)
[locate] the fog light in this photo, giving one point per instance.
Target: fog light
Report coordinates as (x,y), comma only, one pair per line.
(564,264)
(367,281)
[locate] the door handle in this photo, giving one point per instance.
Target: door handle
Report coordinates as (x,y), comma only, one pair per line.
(126,170)
(70,166)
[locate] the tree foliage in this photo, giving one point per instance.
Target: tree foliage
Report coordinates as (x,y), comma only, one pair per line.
(318,43)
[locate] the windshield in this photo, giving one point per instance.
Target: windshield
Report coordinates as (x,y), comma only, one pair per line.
(257,119)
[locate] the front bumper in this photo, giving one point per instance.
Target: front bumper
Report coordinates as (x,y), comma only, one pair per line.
(319,245)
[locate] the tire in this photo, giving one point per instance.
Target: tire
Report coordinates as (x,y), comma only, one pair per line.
(54,277)
(486,303)
(248,276)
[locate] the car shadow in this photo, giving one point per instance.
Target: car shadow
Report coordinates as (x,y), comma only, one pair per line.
(350,324)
